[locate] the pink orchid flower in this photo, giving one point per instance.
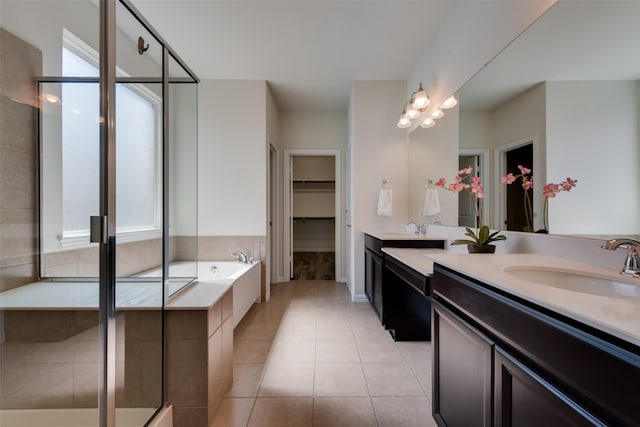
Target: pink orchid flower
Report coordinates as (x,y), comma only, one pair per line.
(525,171)
(441,182)
(549,191)
(508,179)
(527,184)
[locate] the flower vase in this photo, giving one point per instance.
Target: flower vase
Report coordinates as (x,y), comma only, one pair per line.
(481,249)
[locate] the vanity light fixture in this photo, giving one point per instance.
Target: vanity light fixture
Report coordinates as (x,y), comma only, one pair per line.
(437,113)
(450,102)
(428,123)
(419,99)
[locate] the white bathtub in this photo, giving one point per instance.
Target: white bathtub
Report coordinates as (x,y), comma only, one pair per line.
(245,279)
(140,295)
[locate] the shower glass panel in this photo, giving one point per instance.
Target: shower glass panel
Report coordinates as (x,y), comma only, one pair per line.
(49,107)
(139,220)
(183,176)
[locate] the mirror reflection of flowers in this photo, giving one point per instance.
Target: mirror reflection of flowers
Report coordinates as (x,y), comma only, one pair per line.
(465,180)
(527,184)
(549,192)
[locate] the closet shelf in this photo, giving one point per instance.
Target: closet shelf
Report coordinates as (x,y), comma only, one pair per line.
(303,218)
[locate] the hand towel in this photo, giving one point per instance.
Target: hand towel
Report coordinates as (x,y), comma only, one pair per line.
(431,202)
(385,202)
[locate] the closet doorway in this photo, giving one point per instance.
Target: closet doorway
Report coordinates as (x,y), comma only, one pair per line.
(314,235)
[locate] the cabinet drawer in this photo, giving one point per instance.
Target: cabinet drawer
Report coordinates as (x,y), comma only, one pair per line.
(373,244)
(412,277)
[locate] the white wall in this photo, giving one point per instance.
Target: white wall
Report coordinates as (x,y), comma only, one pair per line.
(314,131)
(378,151)
(232,163)
(432,156)
(592,126)
(518,120)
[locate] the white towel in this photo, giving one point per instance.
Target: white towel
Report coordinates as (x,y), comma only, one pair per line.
(431,202)
(385,202)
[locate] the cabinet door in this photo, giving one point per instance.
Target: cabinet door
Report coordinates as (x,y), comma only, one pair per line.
(377,286)
(368,274)
(462,372)
(524,399)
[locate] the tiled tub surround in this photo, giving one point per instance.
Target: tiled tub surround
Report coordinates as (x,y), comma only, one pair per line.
(19,63)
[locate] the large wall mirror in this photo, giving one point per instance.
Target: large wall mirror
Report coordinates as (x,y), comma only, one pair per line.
(568,88)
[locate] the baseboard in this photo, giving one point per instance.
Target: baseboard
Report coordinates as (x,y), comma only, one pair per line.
(359,297)
(342,280)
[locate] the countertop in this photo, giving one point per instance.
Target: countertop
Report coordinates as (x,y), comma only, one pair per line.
(401,236)
(616,315)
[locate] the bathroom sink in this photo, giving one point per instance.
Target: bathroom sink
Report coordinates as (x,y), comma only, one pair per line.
(577,281)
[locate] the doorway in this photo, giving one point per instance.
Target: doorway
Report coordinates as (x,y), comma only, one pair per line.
(515,211)
(312,200)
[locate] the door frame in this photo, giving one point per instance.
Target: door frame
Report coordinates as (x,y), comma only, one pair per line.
(500,154)
(288,255)
(485,177)
(273,224)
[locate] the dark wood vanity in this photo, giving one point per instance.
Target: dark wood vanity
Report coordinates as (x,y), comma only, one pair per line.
(500,360)
(398,293)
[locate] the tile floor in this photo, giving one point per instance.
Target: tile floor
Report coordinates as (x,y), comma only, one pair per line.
(312,357)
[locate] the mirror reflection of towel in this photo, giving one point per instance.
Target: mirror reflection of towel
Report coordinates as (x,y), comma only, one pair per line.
(385,202)
(431,202)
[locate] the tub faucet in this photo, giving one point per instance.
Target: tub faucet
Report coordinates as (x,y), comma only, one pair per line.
(240,256)
(632,262)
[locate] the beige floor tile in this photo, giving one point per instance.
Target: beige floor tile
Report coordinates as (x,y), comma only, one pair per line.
(337,351)
(403,411)
(333,329)
(287,380)
(296,331)
(391,379)
(415,351)
(292,351)
(246,379)
(340,379)
(422,372)
(257,331)
(233,412)
(379,352)
(251,351)
(282,412)
(367,331)
(343,412)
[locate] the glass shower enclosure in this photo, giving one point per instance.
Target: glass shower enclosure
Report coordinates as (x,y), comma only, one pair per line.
(98,210)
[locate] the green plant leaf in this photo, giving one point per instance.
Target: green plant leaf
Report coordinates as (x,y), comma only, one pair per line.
(463,242)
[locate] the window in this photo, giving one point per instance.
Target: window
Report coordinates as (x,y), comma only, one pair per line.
(138,177)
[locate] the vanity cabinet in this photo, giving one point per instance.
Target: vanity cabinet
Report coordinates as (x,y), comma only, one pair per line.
(501,360)
(398,294)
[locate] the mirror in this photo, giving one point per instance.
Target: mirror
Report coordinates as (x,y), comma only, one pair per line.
(570,85)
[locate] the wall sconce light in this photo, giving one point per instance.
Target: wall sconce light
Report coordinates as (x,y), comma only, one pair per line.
(419,99)
(450,102)
(428,123)
(437,113)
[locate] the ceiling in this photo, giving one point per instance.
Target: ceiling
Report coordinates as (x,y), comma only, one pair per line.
(310,52)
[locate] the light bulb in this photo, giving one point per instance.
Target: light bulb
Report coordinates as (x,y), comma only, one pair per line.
(428,123)
(437,113)
(419,99)
(404,122)
(449,102)
(412,113)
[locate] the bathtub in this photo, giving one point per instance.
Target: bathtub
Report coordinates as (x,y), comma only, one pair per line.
(144,293)
(245,279)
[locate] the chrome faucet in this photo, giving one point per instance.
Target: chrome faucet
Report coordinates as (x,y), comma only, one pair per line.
(632,262)
(240,256)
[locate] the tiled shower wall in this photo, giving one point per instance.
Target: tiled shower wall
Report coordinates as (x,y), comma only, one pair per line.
(19,64)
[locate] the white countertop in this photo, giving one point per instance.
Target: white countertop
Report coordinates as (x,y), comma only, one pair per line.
(383,235)
(616,315)
(200,295)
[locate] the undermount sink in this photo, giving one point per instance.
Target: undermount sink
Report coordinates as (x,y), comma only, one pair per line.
(577,281)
